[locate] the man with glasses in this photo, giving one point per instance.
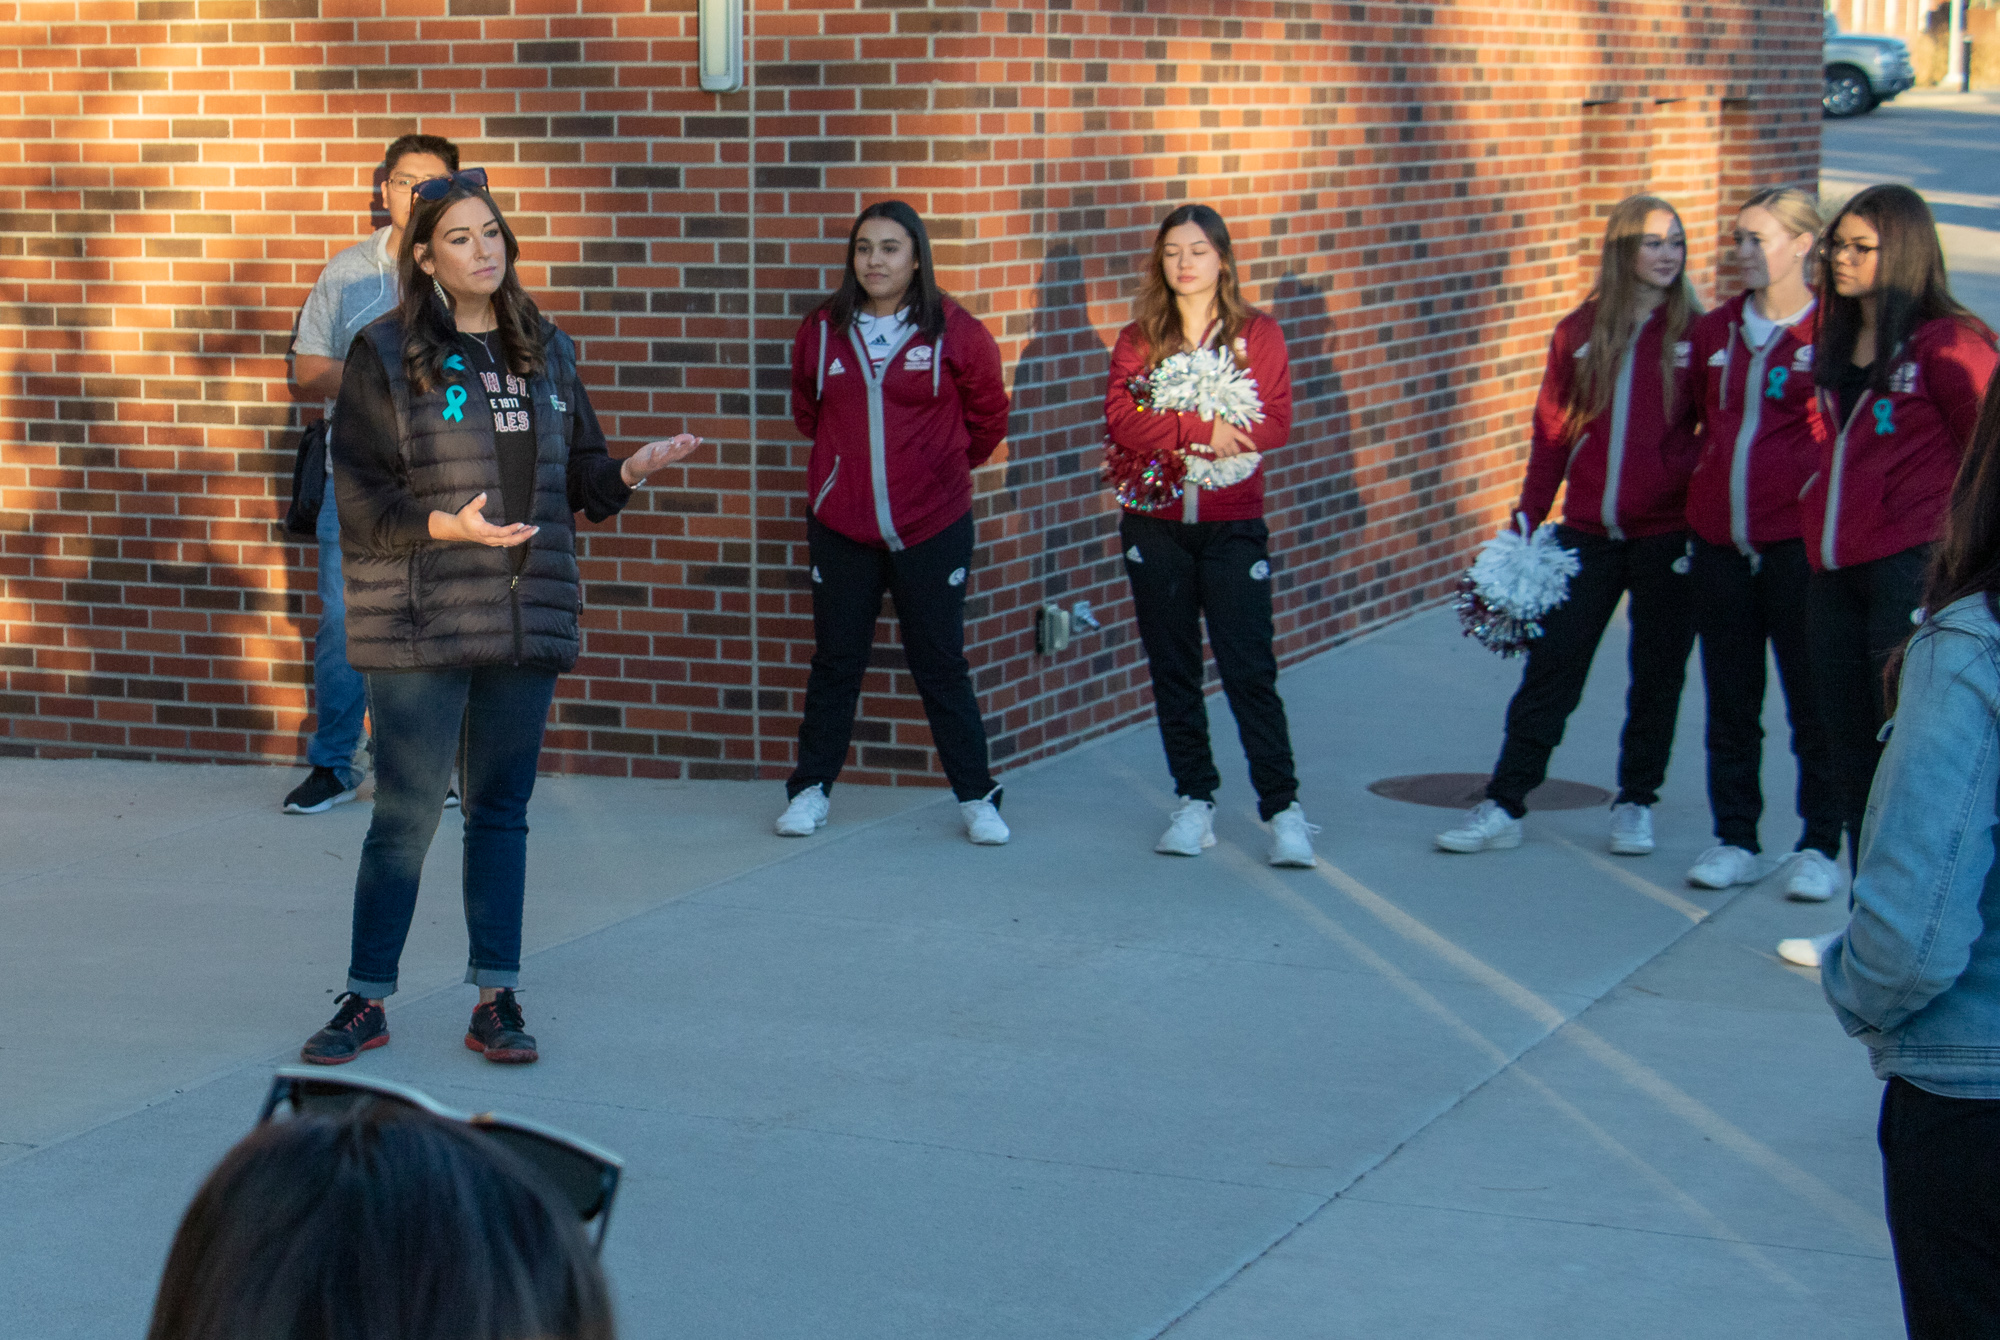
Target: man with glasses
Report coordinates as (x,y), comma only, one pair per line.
(358,285)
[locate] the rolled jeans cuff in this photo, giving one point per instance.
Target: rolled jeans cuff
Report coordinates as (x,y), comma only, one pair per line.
(371,990)
(498,978)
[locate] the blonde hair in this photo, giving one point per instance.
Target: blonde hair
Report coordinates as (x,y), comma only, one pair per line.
(1611,328)
(1796,208)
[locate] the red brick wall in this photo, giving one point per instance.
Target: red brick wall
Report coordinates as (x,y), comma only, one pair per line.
(1413,191)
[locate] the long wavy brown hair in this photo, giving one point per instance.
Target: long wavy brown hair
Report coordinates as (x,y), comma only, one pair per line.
(1159,316)
(429,334)
(1612,329)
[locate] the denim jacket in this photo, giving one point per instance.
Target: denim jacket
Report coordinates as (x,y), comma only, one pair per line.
(1916,975)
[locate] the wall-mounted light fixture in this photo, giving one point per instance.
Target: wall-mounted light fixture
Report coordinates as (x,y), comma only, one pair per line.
(721,34)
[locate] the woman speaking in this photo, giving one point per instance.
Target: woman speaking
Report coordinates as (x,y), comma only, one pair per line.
(466,444)
(899,389)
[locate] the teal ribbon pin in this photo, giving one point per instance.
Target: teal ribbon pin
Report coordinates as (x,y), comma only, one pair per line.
(454,403)
(1775,388)
(1885,422)
(455,363)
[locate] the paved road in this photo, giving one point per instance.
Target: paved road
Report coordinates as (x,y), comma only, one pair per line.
(882,1084)
(1944,145)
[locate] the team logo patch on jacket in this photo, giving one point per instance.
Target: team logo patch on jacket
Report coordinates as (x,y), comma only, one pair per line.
(918,359)
(836,369)
(1802,360)
(1683,353)
(1903,381)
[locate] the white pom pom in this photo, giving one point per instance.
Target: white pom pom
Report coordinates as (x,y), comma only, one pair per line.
(1207,473)
(1515,580)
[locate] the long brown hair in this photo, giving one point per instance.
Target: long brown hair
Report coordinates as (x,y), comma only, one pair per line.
(1158,315)
(429,334)
(1910,284)
(1611,328)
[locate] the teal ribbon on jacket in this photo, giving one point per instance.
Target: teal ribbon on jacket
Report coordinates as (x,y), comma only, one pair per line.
(454,403)
(1885,422)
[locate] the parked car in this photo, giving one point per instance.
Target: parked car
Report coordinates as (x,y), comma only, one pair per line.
(1863,70)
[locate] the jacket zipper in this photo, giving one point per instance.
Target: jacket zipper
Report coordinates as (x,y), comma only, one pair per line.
(514,596)
(1614,450)
(1739,460)
(878,447)
(1829,530)
(1191,493)
(826,488)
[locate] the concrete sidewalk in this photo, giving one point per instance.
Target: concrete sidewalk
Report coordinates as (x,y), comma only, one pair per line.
(879,1083)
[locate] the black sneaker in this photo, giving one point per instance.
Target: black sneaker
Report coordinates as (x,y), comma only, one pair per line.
(355,1028)
(496,1029)
(319,793)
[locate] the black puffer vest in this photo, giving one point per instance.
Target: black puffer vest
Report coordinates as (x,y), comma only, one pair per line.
(449,605)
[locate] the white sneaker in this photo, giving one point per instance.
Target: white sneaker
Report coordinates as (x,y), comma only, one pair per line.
(1631,829)
(1814,878)
(983,824)
(806,814)
(1291,838)
(1487,827)
(1807,952)
(1725,866)
(1192,831)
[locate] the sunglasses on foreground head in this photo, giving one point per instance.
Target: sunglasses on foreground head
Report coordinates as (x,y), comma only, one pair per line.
(437,188)
(586,1175)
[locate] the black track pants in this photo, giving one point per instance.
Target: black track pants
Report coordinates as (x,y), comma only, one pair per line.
(1662,615)
(927,581)
(1736,611)
(1941,1182)
(1185,572)
(1858,616)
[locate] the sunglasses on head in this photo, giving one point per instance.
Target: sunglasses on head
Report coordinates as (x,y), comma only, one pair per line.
(586,1175)
(437,188)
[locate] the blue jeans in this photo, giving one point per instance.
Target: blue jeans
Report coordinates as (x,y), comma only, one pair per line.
(417,716)
(340,694)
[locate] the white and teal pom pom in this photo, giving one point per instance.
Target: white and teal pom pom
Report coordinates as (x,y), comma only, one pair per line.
(1517,578)
(1209,383)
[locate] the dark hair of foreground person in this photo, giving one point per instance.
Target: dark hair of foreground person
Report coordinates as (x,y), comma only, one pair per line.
(383,1224)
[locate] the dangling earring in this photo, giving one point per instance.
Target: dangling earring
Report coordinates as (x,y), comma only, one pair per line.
(443,297)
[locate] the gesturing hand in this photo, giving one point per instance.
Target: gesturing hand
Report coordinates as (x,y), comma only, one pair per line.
(469,526)
(656,456)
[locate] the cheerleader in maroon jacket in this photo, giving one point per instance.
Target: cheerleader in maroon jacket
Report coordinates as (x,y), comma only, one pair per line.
(1191,480)
(899,389)
(1617,370)
(1901,368)
(1760,437)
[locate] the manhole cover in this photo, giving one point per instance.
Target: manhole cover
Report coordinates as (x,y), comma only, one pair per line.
(1463,790)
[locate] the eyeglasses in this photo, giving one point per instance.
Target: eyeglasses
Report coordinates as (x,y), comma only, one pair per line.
(1860,252)
(586,1175)
(437,188)
(400,183)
